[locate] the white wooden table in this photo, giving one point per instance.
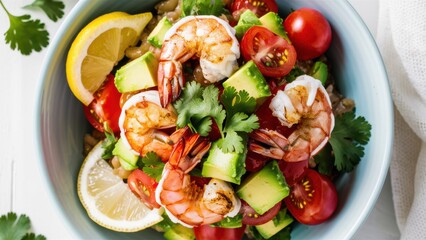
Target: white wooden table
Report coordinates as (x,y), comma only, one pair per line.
(22,188)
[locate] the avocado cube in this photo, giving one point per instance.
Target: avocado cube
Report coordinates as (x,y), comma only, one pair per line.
(274,22)
(156,37)
(138,74)
(265,188)
(249,78)
(126,157)
(225,166)
(179,232)
(247,20)
(272,227)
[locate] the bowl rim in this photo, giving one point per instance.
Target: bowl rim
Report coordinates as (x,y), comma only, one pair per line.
(40,154)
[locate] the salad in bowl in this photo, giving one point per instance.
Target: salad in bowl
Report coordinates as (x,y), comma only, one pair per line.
(212,119)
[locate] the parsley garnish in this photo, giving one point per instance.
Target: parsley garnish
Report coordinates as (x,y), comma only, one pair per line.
(203,7)
(199,105)
(349,135)
(12,227)
(53,9)
(152,165)
(28,35)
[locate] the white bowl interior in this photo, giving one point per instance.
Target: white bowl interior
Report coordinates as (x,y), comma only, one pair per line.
(357,66)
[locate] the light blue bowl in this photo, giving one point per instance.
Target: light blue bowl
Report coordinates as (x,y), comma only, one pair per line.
(358,68)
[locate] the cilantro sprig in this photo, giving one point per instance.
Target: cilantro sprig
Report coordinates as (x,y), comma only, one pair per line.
(26,34)
(14,227)
(152,165)
(349,136)
(198,105)
(53,9)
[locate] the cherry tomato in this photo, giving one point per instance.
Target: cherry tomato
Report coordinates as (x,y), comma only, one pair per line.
(272,54)
(259,7)
(293,171)
(250,217)
(105,107)
(309,32)
(144,187)
(255,161)
(207,232)
(313,199)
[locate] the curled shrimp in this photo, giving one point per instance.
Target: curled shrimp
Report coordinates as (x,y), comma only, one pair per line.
(141,122)
(208,38)
(304,102)
(184,201)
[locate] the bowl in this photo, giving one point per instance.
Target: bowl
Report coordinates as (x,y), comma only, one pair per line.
(357,67)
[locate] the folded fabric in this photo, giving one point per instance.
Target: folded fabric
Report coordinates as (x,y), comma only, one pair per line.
(401,37)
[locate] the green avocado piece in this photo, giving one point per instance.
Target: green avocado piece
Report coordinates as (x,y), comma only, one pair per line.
(126,157)
(279,222)
(319,71)
(156,37)
(179,232)
(225,166)
(138,74)
(274,22)
(265,188)
(246,21)
(249,78)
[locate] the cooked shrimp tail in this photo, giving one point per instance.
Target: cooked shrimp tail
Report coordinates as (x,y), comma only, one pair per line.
(186,202)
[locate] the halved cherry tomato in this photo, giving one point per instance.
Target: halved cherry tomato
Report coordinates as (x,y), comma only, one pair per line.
(144,187)
(105,107)
(309,32)
(207,232)
(250,217)
(313,199)
(293,171)
(259,7)
(272,54)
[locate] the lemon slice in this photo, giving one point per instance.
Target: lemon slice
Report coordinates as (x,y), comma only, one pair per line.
(108,200)
(98,47)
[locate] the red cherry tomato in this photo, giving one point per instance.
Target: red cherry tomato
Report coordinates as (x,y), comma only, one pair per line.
(255,161)
(309,32)
(207,232)
(313,199)
(144,187)
(250,217)
(259,7)
(293,171)
(272,54)
(105,107)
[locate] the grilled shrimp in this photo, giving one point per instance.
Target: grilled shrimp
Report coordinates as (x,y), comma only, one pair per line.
(141,121)
(208,38)
(304,102)
(184,201)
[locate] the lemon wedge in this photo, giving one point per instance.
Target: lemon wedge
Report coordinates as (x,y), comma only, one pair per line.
(108,200)
(98,47)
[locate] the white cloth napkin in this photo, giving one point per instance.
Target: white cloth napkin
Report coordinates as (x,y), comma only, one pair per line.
(401,36)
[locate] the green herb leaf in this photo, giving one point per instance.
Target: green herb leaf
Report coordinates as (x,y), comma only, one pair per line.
(234,101)
(109,143)
(53,9)
(347,139)
(203,7)
(12,227)
(197,106)
(152,165)
(25,34)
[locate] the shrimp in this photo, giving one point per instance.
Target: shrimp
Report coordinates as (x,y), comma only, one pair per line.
(208,38)
(304,102)
(184,201)
(141,121)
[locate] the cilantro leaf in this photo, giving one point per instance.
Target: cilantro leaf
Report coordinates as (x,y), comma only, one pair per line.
(109,143)
(234,101)
(152,165)
(203,7)
(12,227)
(325,160)
(241,122)
(197,106)
(25,34)
(53,9)
(347,139)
